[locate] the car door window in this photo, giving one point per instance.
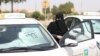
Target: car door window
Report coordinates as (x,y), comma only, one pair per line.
(71,21)
(80,32)
(68,22)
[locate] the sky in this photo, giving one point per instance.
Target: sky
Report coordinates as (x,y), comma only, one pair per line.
(32,5)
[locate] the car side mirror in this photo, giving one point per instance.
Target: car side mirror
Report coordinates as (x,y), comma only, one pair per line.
(70,42)
(77,30)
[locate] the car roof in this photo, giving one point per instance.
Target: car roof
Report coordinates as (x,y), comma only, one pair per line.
(18,21)
(83,16)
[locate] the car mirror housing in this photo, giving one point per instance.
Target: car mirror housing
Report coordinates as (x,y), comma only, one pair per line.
(70,42)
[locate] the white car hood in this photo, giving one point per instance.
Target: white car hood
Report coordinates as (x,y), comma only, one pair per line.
(54,52)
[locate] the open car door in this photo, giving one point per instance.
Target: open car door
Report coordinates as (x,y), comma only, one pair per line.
(79,40)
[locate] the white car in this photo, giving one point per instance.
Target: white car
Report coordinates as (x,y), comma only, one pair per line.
(24,37)
(72,20)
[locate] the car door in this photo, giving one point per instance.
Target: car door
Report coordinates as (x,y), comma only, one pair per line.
(83,34)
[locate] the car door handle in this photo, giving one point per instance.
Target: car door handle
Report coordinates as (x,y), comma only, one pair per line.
(92,46)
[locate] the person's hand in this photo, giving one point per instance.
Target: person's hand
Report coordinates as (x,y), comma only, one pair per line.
(59,36)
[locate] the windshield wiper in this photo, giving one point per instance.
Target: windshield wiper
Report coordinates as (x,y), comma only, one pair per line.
(26,49)
(18,49)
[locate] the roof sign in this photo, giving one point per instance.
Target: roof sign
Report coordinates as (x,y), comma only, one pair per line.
(91,13)
(12,15)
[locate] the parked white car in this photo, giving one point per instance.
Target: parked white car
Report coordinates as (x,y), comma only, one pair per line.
(24,37)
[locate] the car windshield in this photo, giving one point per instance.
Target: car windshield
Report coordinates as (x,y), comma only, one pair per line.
(28,35)
(96,27)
